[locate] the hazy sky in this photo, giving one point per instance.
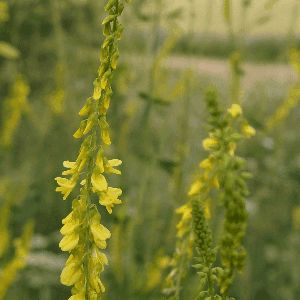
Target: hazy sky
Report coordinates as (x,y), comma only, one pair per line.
(280,22)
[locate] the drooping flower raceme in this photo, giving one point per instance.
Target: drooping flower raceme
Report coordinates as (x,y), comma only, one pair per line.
(84,235)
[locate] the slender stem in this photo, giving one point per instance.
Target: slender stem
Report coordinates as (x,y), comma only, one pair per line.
(87,213)
(180,269)
(210,283)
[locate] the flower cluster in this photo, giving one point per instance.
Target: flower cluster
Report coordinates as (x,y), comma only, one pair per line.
(183,253)
(207,255)
(22,248)
(228,172)
(84,235)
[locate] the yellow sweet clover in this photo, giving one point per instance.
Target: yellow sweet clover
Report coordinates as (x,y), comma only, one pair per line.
(292,99)
(14,107)
(22,247)
(84,235)
(227,171)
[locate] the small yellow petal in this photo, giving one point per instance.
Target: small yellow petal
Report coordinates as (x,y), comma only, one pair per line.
(99,182)
(69,242)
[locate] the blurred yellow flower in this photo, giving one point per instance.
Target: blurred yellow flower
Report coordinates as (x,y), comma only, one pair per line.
(247,129)
(210,144)
(235,110)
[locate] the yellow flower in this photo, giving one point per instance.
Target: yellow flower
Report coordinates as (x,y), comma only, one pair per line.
(70,165)
(71,274)
(86,108)
(195,188)
(110,197)
(99,232)
(96,283)
(207,204)
(232,148)
(104,131)
(98,180)
(235,110)
(69,242)
(207,163)
(247,129)
(214,181)
(98,256)
(183,225)
(69,226)
(108,167)
(68,218)
(210,144)
(66,185)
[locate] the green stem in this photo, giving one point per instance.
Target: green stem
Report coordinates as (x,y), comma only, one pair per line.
(210,284)
(180,269)
(87,213)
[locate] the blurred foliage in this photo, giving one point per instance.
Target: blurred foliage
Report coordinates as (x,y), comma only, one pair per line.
(49,53)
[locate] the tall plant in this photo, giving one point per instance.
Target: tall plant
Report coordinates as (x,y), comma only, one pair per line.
(84,235)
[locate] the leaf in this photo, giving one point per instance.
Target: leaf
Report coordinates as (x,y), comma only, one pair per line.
(9,51)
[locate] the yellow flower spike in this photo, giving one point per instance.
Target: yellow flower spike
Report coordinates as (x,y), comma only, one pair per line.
(71,274)
(90,123)
(247,129)
(87,107)
(79,132)
(98,180)
(69,242)
(235,110)
(83,233)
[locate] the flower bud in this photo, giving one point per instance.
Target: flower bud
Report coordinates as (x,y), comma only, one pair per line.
(119,31)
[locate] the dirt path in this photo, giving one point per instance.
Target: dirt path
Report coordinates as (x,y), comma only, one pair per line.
(274,77)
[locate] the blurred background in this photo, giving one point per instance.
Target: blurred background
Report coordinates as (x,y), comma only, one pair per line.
(171,51)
